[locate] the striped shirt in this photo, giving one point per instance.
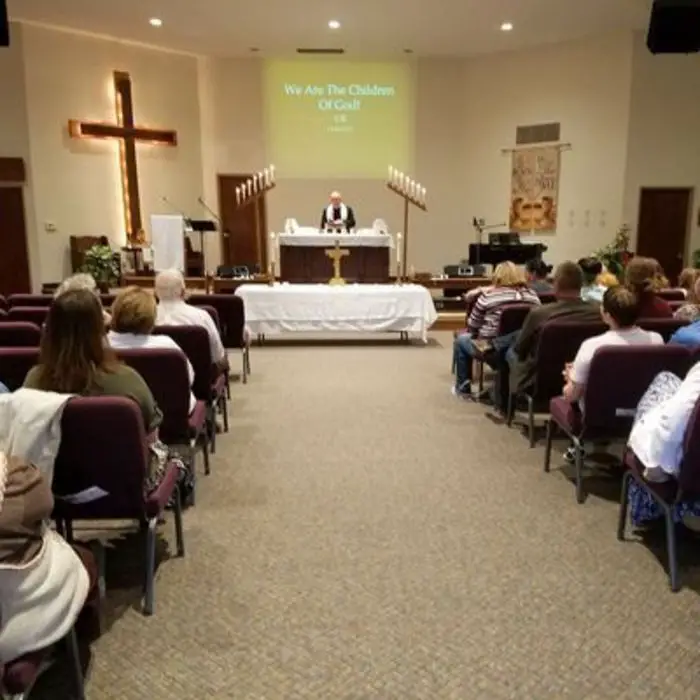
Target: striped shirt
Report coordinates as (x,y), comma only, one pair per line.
(486,314)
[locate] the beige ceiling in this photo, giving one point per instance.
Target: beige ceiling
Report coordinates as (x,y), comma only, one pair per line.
(369,27)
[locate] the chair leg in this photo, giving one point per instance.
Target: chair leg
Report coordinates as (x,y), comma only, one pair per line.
(624,505)
(150,567)
(179,536)
(247,360)
(224,412)
(481,377)
(510,410)
(578,464)
(244,363)
(211,429)
(671,546)
(74,656)
(531,420)
(548,446)
(205,455)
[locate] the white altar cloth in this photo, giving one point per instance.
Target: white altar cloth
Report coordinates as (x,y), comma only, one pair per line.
(322,308)
(361,238)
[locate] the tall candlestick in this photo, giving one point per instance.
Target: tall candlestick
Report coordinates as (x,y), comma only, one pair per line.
(272,248)
(398,249)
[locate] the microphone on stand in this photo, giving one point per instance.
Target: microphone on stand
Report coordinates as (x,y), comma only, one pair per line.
(166,201)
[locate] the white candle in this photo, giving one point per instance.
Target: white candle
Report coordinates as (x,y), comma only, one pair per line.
(422,195)
(250,187)
(398,248)
(401,181)
(272,249)
(260,180)
(272,174)
(255,182)
(267,177)
(413,188)
(238,195)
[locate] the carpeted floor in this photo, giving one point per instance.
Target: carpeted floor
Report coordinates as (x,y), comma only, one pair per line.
(365,535)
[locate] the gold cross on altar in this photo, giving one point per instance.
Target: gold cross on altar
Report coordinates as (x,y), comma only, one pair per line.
(336,255)
(128,134)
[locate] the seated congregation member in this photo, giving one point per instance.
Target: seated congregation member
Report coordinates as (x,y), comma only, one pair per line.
(686,281)
(82,280)
(537,273)
(509,287)
(690,311)
(657,439)
(522,356)
(74,359)
(592,290)
(660,281)
(173,310)
(43,582)
(607,279)
(641,276)
(620,311)
(133,321)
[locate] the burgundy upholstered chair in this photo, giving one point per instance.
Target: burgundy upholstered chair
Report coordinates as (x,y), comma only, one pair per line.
(28,314)
(671,294)
(18,334)
(15,364)
(209,383)
(107,300)
(559,342)
(40,300)
(231,312)
(665,327)
(668,494)
(618,378)
(547,297)
(104,445)
(3,303)
(165,372)
(3,315)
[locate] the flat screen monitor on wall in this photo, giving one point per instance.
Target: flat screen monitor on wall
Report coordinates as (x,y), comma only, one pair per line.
(339,118)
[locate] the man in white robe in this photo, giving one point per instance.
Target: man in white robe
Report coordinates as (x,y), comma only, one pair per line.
(337,215)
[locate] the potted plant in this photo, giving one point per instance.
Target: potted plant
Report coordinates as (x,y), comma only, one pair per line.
(696,258)
(99,261)
(617,254)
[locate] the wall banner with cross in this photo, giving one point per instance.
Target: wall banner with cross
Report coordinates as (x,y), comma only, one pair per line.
(128,135)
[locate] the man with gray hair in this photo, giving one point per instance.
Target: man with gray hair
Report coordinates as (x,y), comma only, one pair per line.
(81,280)
(337,215)
(173,310)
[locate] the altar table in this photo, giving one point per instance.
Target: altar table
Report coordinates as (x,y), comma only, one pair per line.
(302,256)
(321,308)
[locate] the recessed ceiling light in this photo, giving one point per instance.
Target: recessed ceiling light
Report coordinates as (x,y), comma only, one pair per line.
(507,27)
(334,24)
(155,22)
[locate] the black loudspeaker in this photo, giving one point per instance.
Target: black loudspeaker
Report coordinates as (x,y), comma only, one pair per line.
(674,26)
(4,25)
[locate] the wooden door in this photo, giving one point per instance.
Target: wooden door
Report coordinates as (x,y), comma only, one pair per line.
(239,240)
(14,259)
(662,231)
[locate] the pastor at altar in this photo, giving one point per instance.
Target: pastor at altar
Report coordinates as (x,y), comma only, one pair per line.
(337,215)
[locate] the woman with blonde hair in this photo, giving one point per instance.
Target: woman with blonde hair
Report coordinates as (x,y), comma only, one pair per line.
(642,277)
(690,311)
(509,286)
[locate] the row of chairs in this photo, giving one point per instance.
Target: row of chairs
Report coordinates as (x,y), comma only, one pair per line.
(618,378)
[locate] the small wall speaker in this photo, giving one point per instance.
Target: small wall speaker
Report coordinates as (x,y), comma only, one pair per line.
(674,27)
(4,25)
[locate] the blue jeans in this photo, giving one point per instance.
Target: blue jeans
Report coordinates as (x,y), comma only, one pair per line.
(4,389)
(464,351)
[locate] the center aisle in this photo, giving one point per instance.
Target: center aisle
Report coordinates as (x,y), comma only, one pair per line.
(365,535)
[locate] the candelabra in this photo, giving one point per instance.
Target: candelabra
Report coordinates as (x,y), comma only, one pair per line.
(413,194)
(250,192)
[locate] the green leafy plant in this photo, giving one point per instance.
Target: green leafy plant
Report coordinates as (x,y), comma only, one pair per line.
(696,258)
(617,254)
(100,262)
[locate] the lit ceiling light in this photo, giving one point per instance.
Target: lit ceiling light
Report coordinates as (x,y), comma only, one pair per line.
(507,27)
(334,24)
(155,22)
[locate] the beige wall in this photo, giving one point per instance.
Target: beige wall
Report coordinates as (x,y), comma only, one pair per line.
(664,130)
(76,183)
(14,135)
(631,118)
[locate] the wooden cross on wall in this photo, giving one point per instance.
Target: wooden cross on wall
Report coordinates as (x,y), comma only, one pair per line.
(128,134)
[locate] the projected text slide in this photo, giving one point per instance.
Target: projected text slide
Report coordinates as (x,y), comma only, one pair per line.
(343,119)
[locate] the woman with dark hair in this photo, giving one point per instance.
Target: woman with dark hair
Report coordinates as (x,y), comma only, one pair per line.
(641,276)
(591,290)
(74,359)
(537,272)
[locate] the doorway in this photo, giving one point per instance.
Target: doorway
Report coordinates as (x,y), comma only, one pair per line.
(664,221)
(239,242)
(14,260)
